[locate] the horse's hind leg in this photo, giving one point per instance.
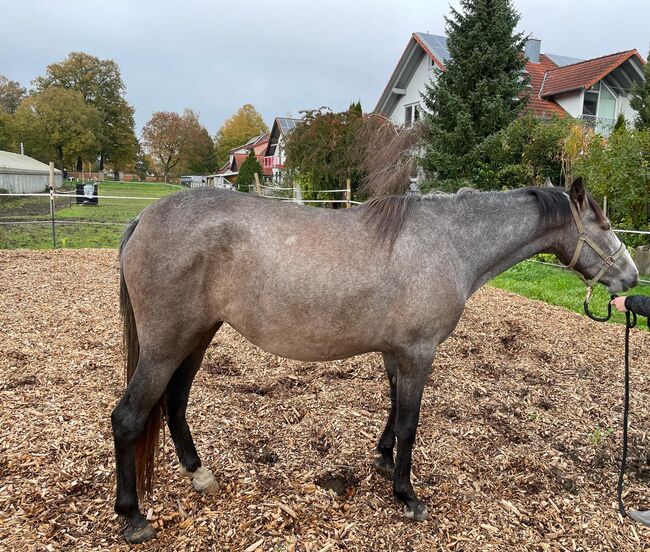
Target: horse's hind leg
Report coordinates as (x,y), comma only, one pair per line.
(177,395)
(129,419)
(384,463)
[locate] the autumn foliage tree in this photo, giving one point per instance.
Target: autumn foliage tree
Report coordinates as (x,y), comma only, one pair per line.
(164,136)
(241,127)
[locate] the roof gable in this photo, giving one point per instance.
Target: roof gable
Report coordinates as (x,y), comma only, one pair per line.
(584,74)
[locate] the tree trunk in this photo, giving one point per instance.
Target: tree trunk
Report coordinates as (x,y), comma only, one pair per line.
(80,164)
(101,161)
(59,155)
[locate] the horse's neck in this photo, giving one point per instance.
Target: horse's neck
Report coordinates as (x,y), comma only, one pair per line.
(499,231)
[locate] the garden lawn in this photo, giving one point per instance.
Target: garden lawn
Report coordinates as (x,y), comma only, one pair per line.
(558,286)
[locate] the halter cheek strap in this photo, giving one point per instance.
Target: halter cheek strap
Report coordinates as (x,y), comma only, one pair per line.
(608,260)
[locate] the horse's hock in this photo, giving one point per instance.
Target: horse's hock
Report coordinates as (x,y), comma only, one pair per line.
(641,256)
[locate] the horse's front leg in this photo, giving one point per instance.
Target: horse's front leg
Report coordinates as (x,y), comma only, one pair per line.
(385,464)
(413,371)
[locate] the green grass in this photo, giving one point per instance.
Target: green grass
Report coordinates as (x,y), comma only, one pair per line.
(558,286)
(102,224)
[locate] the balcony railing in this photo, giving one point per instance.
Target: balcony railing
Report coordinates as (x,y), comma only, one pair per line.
(599,124)
(272,162)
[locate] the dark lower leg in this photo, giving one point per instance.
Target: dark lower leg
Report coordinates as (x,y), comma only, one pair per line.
(128,421)
(385,464)
(127,426)
(409,397)
(177,395)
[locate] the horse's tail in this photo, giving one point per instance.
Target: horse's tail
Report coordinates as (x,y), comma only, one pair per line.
(147,442)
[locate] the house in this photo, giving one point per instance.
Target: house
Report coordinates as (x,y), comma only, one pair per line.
(274,156)
(226,176)
(595,90)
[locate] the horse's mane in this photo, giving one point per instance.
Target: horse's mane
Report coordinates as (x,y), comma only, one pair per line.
(388,214)
(555,209)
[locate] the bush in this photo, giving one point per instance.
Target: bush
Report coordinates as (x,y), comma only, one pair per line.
(619,168)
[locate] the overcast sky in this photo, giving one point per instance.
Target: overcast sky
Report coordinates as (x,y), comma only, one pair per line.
(282,56)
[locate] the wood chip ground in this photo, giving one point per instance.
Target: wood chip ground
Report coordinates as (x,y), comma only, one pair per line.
(513,451)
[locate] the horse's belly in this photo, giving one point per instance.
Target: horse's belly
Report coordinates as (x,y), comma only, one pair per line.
(296,345)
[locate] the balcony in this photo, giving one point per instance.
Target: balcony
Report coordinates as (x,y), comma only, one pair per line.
(601,125)
(272,162)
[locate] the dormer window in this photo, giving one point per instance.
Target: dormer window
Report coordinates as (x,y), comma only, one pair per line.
(411,114)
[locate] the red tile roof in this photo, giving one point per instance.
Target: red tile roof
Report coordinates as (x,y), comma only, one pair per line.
(583,74)
(539,106)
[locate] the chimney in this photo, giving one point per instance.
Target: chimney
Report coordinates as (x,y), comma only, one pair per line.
(533,48)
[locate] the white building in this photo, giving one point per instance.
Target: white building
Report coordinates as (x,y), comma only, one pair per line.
(21,174)
(274,156)
(596,90)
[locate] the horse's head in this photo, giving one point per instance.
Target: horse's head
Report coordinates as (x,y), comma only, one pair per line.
(591,248)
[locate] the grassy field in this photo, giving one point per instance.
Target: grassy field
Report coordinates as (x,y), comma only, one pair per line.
(558,286)
(89,225)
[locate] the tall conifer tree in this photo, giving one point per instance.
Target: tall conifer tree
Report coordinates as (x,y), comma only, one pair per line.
(482,89)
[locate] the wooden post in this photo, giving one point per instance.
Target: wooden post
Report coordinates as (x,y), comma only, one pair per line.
(257,184)
(348,192)
(605,205)
(52,204)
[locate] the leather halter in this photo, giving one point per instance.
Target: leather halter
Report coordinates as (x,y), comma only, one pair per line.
(608,260)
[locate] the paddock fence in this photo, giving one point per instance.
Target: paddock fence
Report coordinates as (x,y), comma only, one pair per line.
(64,218)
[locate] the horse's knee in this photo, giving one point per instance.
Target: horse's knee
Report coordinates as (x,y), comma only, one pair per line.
(124,423)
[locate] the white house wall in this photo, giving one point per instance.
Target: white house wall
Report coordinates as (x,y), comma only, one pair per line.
(414,89)
(625,108)
(571,103)
(28,183)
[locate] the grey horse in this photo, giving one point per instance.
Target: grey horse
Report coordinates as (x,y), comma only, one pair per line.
(391,276)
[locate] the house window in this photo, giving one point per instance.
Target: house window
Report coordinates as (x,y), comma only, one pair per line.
(590,106)
(411,114)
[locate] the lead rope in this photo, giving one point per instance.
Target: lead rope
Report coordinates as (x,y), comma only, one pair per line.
(630,322)
(640,516)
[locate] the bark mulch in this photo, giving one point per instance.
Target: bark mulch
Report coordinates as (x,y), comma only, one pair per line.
(517,449)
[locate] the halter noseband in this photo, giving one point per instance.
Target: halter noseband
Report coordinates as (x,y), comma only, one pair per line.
(608,260)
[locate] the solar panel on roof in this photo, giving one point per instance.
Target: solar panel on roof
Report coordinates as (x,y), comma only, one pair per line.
(562,60)
(437,45)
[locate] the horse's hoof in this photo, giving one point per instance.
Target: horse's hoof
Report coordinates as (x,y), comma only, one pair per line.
(136,535)
(385,468)
(417,512)
(203,481)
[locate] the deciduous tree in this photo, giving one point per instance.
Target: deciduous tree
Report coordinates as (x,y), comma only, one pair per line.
(198,155)
(321,151)
(57,123)
(164,136)
(11,94)
(100,84)
(241,127)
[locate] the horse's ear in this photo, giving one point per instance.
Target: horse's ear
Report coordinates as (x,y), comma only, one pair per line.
(548,183)
(578,194)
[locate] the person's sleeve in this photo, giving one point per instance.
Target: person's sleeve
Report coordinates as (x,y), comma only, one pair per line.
(638,304)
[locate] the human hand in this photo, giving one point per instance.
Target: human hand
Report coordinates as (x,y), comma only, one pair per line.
(619,303)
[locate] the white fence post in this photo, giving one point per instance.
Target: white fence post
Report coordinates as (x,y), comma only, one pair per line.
(52,204)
